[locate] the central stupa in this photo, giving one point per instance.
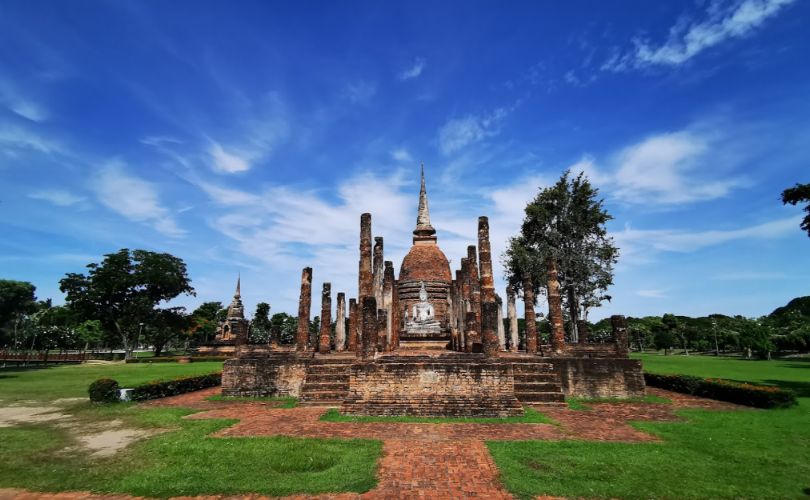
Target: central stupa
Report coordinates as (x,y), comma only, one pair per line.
(425,269)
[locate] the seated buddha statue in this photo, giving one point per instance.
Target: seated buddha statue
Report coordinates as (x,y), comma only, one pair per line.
(423,315)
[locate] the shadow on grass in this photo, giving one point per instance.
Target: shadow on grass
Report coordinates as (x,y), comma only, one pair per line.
(801,389)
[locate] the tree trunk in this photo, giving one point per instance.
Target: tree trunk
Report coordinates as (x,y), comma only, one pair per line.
(573,313)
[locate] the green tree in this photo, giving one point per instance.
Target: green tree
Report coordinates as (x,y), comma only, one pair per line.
(287,325)
(756,337)
(260,326)
(663,338)
(17,300)
(165,326)
(800,193)
(566,222)
(90,332)
(204,321)
(124,289)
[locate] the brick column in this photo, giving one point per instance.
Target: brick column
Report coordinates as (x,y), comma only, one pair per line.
(501,330)
(584,331)
(529,314)
(461,307)
(382,330)
(365,277)
(340,323)
(368,326)
(511,313)
(489,327)
(324,345)
(475,287)
(485,261)
(304,303)
(555,314)
(471,334)
(387,302)
(353,325)
(619,326)
(396,318)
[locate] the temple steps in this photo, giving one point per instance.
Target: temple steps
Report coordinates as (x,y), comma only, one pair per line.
(537,383)
(326,382)
(429,406)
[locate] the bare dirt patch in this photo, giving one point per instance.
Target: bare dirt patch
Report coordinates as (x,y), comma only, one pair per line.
(15,415)
(107,443)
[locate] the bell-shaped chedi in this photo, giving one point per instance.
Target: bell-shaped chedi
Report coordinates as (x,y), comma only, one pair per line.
(425,264)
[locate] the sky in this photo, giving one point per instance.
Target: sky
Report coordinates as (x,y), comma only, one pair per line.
(248,137)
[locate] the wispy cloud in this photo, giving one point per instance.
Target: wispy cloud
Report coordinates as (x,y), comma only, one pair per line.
(16,139)
(688,38)
(665,169)
(360,92)
(459,133)
(59,197)
(670,240)
(133,198)
(401,155)
(652,294)
(225,162)
(20,104)
(414,70)
(748,276)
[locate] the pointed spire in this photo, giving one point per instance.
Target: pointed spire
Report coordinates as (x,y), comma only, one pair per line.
(423,231)
(238,293)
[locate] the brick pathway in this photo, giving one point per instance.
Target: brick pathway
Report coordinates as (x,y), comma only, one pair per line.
(422,460)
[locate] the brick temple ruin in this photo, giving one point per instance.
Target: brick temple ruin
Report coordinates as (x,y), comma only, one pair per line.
(430,342)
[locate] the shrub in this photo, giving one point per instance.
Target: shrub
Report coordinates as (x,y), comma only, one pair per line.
(104,390)
(162,389)
(173,359)
(758,396)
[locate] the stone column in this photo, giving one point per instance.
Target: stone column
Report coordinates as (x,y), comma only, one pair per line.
(396,320)
(460,309)
(353,325)
(555,314)
(485,261)
(511,313)
(470,332)
(304,303)
(584,331)
(365,277)
(387,301)
(368,326)
(529,314)
(465,304)
(501,331)
(378,271)
(340,323)
(619,326)
(489,327)
(324,345)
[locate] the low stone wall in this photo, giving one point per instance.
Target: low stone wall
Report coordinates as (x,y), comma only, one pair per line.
(600,377)
(272,375)
(432,389)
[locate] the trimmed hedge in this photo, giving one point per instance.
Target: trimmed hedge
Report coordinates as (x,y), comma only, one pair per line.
(758,396)
(162,389)
(104,390)
(174,359)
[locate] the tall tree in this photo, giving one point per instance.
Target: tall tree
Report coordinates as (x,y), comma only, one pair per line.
(17,300)
(800,193)
(124,289)
(566,223)
(204,321)
(260,326)
(165,326)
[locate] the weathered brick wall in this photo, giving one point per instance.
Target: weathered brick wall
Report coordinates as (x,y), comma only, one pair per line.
(432,389)
(277,375)
(600,377)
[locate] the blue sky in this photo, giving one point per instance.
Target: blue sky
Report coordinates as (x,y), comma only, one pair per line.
(250,136)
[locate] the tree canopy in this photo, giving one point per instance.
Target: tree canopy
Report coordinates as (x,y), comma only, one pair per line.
(124,290)
(800,193)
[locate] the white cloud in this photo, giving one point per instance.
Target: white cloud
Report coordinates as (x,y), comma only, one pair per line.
(227,196)
(669,240)
(666,169)
(414,70)
(15,139)
(458,133)
(133,198)
(652,294)
(401,155)
(21,105)
(688,39)
(59,197)
(226,162)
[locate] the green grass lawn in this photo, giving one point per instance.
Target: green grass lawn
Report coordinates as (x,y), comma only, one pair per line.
(741,454)
(183,461)
(71,381)
(530,416)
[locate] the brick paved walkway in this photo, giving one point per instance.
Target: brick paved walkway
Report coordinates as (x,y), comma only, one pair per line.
(423,460)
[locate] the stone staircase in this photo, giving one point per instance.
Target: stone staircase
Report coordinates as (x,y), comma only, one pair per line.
(537,384)
(326,382)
